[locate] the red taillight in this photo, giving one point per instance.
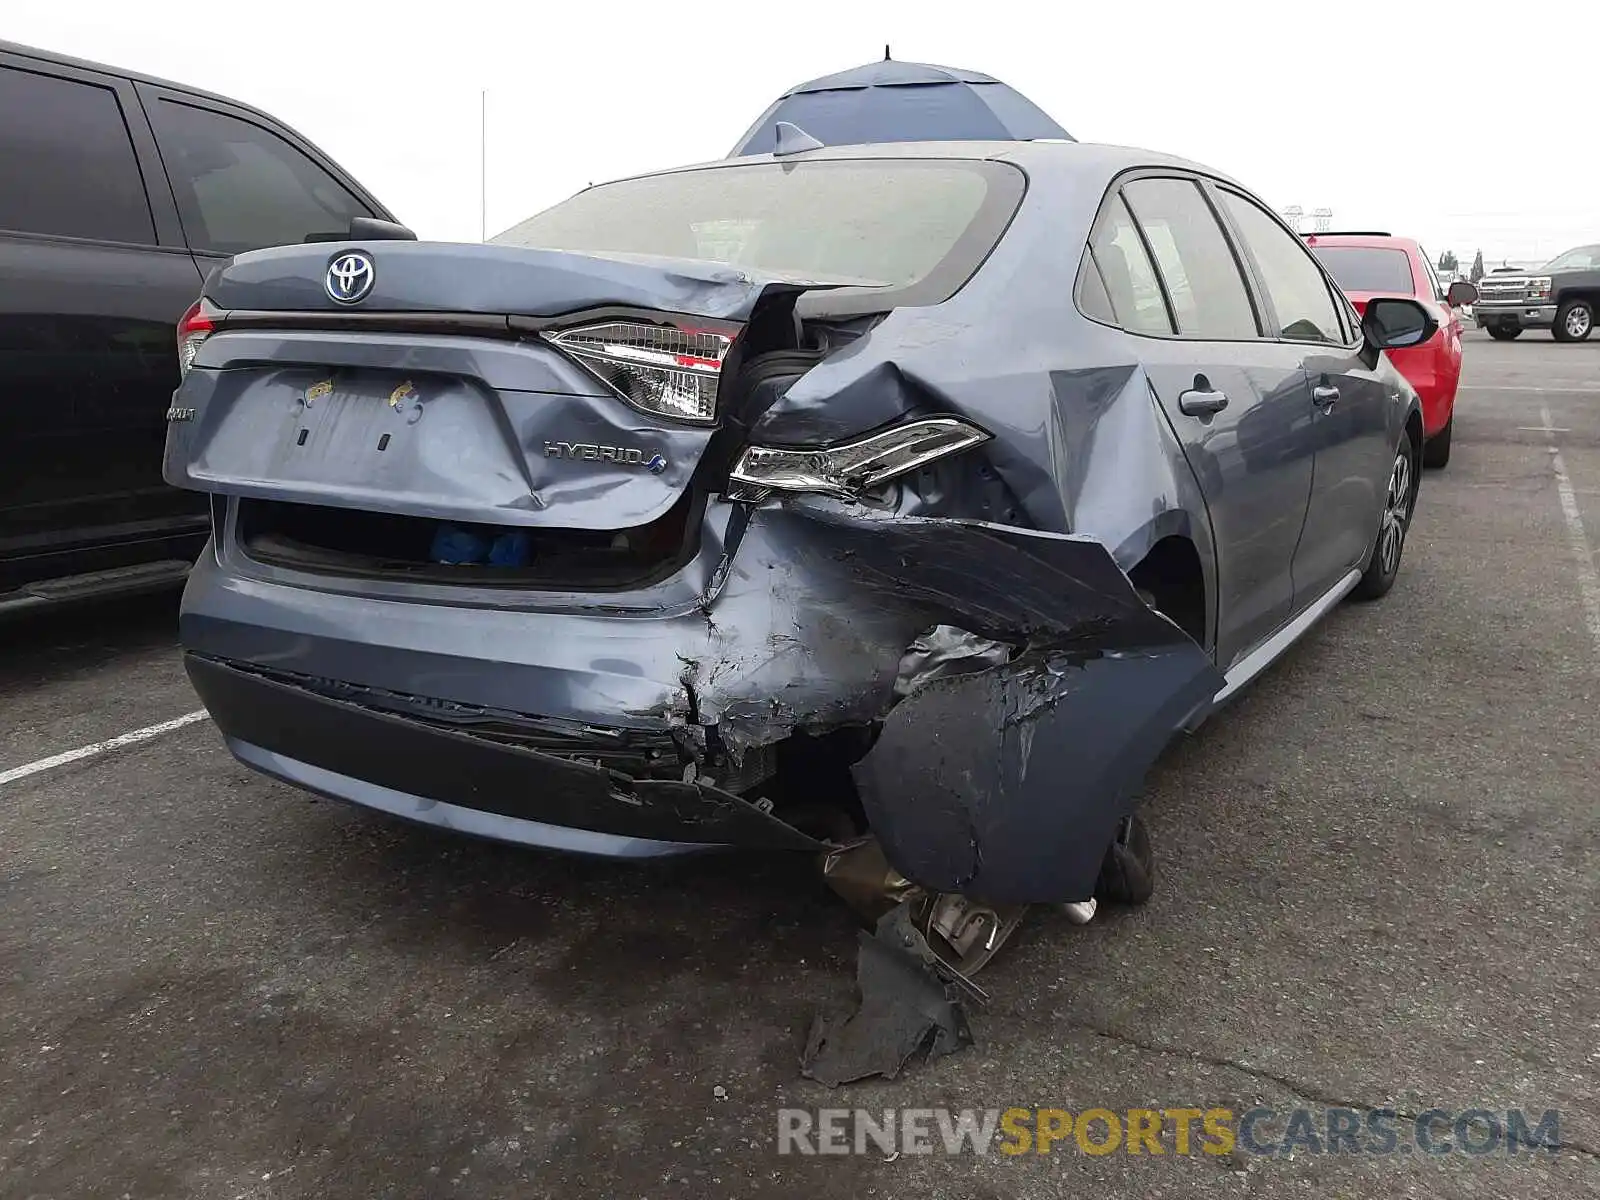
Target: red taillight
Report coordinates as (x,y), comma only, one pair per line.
(195,328)
(667,369)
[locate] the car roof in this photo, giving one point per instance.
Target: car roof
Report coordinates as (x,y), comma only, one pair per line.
(1368,241)
(82,64)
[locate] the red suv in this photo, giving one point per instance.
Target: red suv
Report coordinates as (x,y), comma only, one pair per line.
(1378,264)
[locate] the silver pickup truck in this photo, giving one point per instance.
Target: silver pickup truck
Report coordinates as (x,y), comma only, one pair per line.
(1560,296)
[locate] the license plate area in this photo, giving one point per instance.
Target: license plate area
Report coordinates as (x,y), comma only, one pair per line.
(359,436)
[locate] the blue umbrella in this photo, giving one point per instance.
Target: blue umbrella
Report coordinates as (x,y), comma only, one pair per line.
(892,101)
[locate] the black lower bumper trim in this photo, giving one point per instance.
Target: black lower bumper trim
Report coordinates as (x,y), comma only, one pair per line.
(457,768)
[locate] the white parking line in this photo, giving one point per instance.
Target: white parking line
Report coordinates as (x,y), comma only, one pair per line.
(116,743)
(1554,391)
(1588,578)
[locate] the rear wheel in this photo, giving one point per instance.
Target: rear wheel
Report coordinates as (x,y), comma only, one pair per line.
(1128,871)
(1384,564)
(1436,450)
(1504,333)
(1574,321)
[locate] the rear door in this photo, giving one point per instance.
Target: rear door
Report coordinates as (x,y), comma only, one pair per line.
(1236,401)
(1350,401)
(93,279)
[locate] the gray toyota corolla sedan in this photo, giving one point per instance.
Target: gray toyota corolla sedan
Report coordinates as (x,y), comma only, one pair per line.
(924,489)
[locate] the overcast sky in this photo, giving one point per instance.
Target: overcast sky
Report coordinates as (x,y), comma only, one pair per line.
(1371,109)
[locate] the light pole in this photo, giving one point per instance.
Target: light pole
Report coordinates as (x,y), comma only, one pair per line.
(483,165)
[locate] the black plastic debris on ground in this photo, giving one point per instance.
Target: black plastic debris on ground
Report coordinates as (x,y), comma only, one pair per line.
(905,1006)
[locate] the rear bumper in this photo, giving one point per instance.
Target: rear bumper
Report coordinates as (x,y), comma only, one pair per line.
(462,782)
(1435,374)
(1004,780)
(1524,316)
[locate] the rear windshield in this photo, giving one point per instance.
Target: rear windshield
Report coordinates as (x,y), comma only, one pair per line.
(1368,268)
(1584,258)
(912,230)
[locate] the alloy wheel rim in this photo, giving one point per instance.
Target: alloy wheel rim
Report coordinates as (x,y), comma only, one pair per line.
(1396,508)
(1578,321)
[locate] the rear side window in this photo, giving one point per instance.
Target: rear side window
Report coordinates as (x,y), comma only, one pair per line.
(1207,291)
(241,187)
(1129,278)
(917,228)
(1299,292)
(1369,268)
(1091,295)
(67,166)
(1433,279)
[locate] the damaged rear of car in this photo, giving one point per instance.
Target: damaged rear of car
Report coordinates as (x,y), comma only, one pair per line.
(757,505)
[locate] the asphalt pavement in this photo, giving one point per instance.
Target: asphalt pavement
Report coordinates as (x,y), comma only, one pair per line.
(1379,885)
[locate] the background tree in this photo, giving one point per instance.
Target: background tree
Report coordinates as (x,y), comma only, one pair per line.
(1448,264)
(1477,267)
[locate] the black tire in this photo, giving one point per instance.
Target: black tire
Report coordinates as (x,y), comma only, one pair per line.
(1393,525)
(1574,321)
(1436,450)
(1128,871)
(1504,333)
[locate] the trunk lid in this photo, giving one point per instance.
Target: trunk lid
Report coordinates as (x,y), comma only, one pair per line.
(450,277)
(437,393)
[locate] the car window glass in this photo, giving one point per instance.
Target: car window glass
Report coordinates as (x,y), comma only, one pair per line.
(67,166)
(888,223)
(1130,280)
(1296,286)
(1433,278)
(1369,269)
(1584,258)
(1093,302)
(1202,276)
(240,187)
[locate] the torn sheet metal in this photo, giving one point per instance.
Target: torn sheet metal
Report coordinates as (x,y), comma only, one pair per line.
(905,1006)
(1006,784)
(998,581)
(944,651)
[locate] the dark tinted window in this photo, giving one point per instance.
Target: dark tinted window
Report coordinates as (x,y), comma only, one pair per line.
(887,223)
(66,164)
(1298,290)
(240,187)
(1203,281)
(1130,280)
(1368,269)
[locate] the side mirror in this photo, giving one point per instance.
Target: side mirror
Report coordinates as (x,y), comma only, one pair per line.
(1393,323)
(1461,294)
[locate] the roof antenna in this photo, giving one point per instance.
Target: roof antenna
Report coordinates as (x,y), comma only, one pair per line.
(791,139)
(886,52)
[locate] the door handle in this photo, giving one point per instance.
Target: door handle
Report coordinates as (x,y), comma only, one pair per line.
(1324,397)
(1197,403)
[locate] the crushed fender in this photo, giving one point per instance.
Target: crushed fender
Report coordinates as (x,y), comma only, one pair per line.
(1008,783)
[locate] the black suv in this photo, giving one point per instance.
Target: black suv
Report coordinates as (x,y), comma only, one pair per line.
(121,193)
